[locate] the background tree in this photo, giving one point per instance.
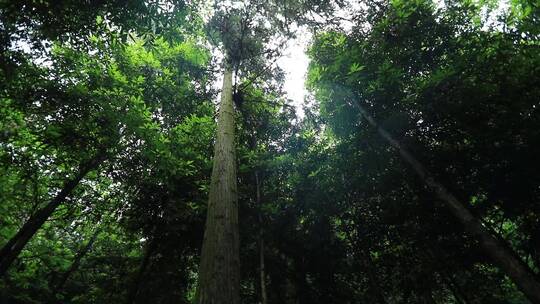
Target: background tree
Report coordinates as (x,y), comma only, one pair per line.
(328,212)
(392,84)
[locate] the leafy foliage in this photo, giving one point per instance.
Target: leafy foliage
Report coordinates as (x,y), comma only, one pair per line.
(343,219)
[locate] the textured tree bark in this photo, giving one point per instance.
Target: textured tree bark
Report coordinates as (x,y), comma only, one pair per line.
(500,253)
(15,245)
(219,270)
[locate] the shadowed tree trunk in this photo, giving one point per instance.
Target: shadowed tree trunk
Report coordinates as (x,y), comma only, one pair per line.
(458,294)
(291,293)
(136,286)
(219,270)
(76,262)
(495,248)
(374,283)
(15,245)
(426,297)
(258,202)
(262,273)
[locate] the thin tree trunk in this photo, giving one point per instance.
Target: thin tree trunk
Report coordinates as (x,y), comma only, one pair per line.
(427,297)
(374,283)
(496,249)
(459,295)
(406,295)
(219,271)
(15,245)
(264,298)
(136,286)
(291,293)
(76,262)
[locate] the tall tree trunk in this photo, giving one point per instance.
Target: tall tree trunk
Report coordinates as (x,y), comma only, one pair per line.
(76,262)
(458,294)
(495,248)
(444,273)
(264,298)
(374,283)
(426,297)
(291,293)
(136,286)
(219,270)
(15,245)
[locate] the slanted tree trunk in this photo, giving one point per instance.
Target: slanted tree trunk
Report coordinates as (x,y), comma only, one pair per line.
(501,254)
(15,245)
(219,270)
(76,262)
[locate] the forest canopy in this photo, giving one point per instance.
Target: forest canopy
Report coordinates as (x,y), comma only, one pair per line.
(149,152)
